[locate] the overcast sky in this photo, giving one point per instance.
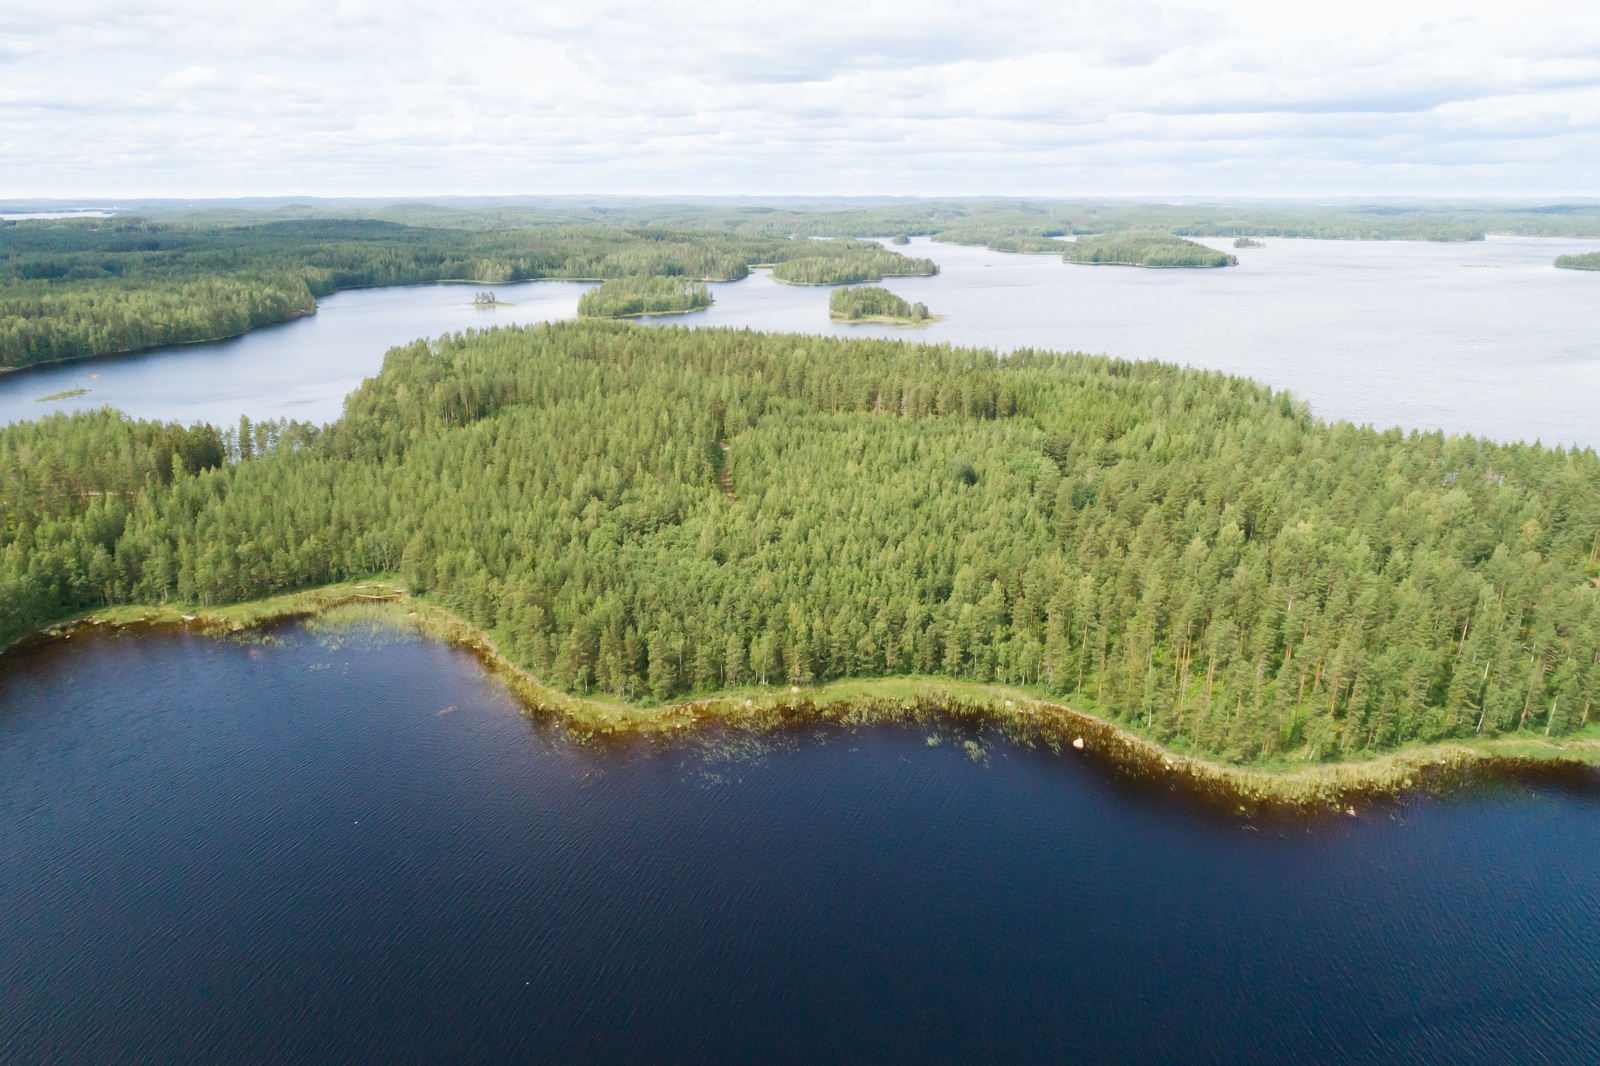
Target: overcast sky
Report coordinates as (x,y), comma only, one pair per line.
(216,98)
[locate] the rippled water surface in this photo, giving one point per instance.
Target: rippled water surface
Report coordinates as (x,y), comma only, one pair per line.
(323,849)
(1483,337)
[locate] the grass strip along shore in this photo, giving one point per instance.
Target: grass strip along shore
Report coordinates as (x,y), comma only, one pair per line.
(1020,715)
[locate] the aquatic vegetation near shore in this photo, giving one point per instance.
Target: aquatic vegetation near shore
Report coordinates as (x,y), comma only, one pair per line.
(64,395)
(743,725)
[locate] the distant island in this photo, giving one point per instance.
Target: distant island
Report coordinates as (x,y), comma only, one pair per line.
(628,297)
(1586,261)
(870,303)
(488,299)
(869,264)
(1159,250)
(1249,242)
(1002,239)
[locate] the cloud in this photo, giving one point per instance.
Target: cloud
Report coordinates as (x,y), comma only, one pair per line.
(191,78)
(793,96)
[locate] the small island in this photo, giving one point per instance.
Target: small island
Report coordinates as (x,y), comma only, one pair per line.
(1248,242)
(1154,250)
(66,395)
(631,297)
(488,299)
(869,303)
(1586,261)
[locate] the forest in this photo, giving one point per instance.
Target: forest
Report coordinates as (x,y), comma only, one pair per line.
(863,262)
(1001,239)
(1410,220)
(1158,250)
(869,302)
(83,287)
(626,297)
(1188,553)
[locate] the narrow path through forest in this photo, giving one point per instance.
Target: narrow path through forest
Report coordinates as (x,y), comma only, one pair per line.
(727,470)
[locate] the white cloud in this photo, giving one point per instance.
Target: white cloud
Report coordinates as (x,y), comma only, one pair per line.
(152,97)
(191,78)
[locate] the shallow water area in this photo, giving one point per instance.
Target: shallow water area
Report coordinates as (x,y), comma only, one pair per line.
(353,844)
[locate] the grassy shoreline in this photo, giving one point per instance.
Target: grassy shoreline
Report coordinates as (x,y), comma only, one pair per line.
(1327,787)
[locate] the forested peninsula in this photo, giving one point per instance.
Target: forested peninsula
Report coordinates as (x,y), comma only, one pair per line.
(82,287)
(1187,554)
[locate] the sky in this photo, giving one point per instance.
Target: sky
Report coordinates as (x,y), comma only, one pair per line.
(201,98)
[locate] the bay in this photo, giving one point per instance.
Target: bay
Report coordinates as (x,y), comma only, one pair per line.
(342,846)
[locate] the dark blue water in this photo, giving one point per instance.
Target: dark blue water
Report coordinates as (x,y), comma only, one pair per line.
(285,852)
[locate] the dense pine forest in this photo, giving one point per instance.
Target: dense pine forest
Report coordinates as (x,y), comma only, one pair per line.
(1188,553)
(1145,250)
(83,287)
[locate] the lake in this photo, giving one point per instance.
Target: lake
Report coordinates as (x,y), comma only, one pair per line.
(353,847)
(1482,337)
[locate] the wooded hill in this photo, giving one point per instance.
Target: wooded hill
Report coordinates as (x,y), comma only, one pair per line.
(1189,553)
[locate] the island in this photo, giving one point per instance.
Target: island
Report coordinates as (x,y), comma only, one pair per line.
(1585,261)
(487,299)
(631,297)
(1154,250)
(1004,239)
(870,263)
(1183,570)
(870,303)
(1248,242)
(66,394)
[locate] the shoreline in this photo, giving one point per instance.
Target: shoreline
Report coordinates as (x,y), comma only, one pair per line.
(119,352)
(1325,788)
